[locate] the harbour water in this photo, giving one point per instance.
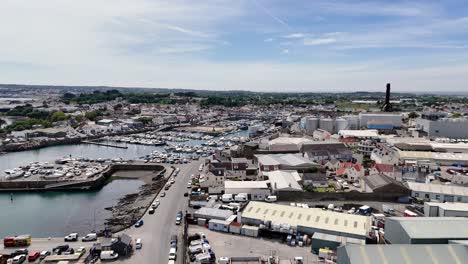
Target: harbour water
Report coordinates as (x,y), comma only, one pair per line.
(49,214)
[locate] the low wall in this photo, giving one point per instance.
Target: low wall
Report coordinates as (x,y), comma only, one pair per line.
(339,196)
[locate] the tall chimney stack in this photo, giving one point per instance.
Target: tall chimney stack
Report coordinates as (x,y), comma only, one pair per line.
(387,107)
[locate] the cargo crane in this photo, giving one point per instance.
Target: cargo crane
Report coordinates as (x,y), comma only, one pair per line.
(387,107)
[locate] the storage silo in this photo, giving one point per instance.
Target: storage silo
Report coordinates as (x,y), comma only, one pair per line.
(327,124)
(353,121)
(341,124)
(311,124)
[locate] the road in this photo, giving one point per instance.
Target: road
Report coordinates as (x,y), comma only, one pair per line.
(158,228)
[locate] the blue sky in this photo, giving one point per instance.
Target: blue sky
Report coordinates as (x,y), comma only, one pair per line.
(260,45)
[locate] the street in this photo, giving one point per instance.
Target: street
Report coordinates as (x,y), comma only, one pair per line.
(158,228)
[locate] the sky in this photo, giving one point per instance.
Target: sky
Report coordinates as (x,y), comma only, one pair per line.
(253,45)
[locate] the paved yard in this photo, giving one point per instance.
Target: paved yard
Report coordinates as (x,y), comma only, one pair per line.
(229,245)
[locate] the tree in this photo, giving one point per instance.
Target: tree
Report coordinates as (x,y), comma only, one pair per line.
(58,116)
(118,107)
(413,115)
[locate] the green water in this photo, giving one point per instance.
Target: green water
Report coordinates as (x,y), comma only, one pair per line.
(44,214)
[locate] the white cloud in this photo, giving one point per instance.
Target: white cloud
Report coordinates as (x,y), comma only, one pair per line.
(285,51)
(294,36)
(318,41)
(268,40)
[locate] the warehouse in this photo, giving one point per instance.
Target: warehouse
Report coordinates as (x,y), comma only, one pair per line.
(425,230)
(284,181)
(320,240)
(305,220)
(212,213)
(274,162)
(287,144)
(445,209)
(256,190)
(439,192)
(389,254)
(441,158)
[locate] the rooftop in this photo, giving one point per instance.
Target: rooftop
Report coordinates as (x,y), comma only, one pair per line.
(284,180)
(433,227)
(245,184)
(438,188)
(284,159)
(385,254)
(369,133)
(308,217)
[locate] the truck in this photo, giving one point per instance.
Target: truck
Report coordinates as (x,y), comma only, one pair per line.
(17,241)
(388,209)
(365,210)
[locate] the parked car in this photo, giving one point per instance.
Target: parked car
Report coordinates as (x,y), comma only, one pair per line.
(80,251)
(174,241)
(162,194)
(139,223)
(19,259)
(33,255)
(186,194)
(71,237)
(44,254)
(89,237)
(155,204)
(69,251)
(22,251)
(357,185)
(138,243)
(151,211)
(108,255)
(59,249)
(172,254)
(179,217)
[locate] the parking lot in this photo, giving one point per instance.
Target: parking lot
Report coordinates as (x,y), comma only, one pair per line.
(229,245)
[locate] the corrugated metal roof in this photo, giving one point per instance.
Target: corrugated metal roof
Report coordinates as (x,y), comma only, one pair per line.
(284,159)
(389,254)
(245,185)
(282,180)
(308,217)
(438,188)
(433,227)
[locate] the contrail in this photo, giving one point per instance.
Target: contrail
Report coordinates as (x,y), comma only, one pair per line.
(279,20)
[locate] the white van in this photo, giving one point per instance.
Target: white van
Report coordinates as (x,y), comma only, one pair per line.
(271,198)
(89,237)
(108,255)
(172,254)
(171,262)
(227,198)
(138,244)
(241,197)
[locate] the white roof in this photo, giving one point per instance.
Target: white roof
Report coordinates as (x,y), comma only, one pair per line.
(245,185)
(308,217)
(433,155)
(359,133)
(284,159)
(284,180)
(438,188)
(450,206)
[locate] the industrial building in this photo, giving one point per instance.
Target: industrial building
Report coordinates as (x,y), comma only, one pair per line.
(360,134)
(380,183)
(438,192)
(433,209)
(444,159)
(287,144)
(321,240)
(256,190)
(425,230)
(389,254)
(305,220)
(281,180)
(444,127)
(209,213)
(272,162)
(324,150)
(393,119)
